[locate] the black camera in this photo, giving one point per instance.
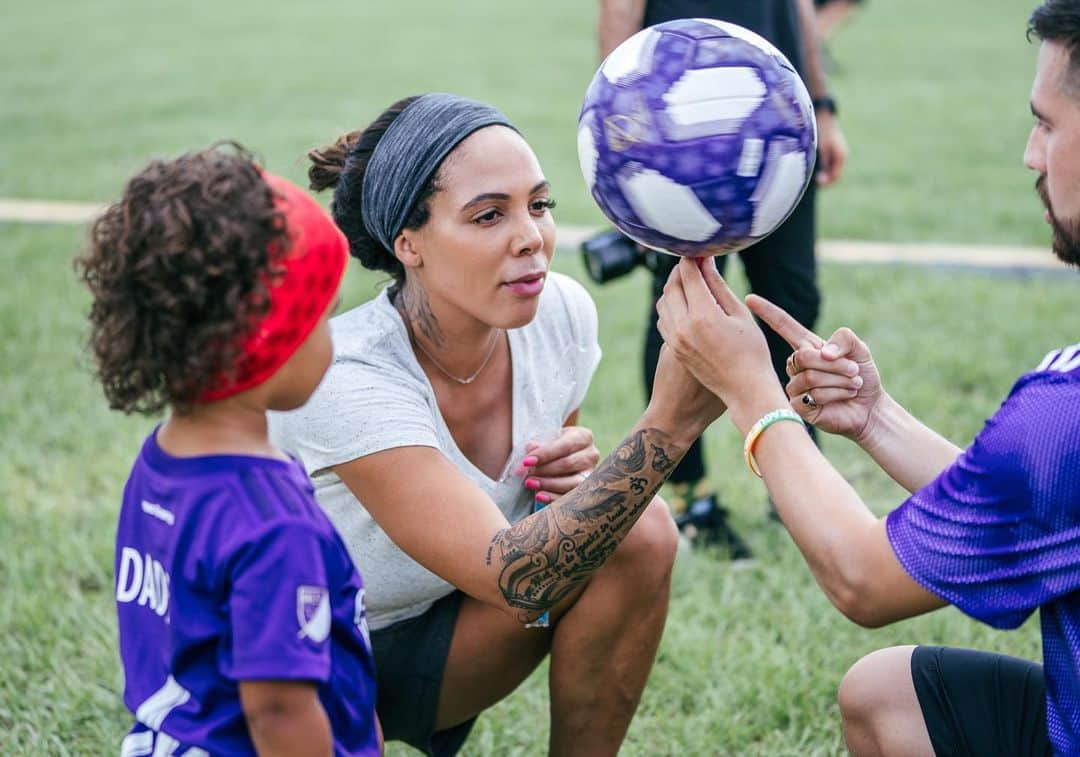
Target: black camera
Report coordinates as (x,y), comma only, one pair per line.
(610,254)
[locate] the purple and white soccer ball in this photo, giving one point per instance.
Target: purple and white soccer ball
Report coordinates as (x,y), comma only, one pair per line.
(697,137)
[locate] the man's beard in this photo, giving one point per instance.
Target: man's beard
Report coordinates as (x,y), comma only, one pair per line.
(1066,236)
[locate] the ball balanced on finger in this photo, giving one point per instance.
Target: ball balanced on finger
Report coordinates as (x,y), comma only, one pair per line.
(679,168)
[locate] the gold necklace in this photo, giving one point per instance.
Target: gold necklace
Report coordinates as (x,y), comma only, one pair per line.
(448,374)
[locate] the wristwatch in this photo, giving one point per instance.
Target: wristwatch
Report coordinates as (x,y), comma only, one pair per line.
(825,102)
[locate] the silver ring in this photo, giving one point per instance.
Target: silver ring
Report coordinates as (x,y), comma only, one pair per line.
(808,401)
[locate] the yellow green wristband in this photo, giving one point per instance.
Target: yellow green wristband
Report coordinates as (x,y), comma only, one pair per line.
(771,417)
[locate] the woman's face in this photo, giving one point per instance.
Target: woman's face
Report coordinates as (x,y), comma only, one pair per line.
(487,245)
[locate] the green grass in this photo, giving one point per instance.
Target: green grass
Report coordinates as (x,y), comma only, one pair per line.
(751,658)
(933,99)
(933,96)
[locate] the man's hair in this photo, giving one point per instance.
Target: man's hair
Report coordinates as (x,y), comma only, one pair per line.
(1059,21)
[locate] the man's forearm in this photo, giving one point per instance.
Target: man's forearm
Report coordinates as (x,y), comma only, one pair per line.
(844,544)
(912,453)
(544,557)
(618,20)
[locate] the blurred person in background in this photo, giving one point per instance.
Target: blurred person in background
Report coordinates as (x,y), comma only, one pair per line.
(782,266)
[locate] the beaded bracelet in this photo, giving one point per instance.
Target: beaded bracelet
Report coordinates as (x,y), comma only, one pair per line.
(773,416)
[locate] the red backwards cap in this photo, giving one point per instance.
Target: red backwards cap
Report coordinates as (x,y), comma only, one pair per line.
(300,288)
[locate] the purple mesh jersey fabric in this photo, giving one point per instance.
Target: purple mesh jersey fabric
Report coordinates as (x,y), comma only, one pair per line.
(227,570)
(998,532)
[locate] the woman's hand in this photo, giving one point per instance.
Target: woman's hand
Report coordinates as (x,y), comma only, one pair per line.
(834,385)
(551,469)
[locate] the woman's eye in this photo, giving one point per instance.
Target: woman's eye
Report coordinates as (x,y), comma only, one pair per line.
(489,217)
(539,206)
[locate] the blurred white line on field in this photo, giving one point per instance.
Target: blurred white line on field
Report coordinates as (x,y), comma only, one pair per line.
(920,253)
(829,250)
(44,211)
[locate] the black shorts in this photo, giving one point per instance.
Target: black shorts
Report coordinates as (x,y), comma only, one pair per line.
(410,657)
(979,703)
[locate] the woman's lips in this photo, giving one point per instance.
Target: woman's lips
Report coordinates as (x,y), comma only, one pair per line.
(527,286)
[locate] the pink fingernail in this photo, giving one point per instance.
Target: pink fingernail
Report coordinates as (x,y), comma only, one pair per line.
(545,498)
(532,483)
(830,351)
(530,461)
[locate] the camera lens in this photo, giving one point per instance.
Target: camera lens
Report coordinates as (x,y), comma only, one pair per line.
(608,256)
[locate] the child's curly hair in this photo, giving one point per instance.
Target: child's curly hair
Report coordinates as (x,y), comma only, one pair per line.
(178,269)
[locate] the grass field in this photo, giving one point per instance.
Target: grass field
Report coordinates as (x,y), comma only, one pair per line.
(934,106)
(935,111)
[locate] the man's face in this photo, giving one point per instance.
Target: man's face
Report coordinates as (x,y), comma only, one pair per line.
(1053,149)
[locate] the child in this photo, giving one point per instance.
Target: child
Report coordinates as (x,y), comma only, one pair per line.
(241,616)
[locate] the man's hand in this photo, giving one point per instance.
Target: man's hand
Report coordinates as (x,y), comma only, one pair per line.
(715,336)
(834,385)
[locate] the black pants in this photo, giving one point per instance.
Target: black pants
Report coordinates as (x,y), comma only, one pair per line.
(780,268)
(981,704)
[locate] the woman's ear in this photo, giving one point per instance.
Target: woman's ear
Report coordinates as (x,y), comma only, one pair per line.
(406,251)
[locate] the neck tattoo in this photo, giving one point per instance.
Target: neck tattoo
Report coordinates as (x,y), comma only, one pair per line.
(429,325)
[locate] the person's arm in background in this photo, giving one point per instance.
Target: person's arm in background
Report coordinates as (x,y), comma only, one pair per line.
(618,20)
(832,147)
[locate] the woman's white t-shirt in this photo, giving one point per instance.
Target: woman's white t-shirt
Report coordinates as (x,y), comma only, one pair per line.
(376,397)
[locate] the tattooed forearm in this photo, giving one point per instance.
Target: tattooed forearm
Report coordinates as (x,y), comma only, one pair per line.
(544,557)
(661,462)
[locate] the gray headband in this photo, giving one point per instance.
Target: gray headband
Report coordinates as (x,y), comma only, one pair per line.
(408,154)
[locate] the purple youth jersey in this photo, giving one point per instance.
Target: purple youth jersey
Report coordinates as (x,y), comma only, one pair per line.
(998,532)
(227,570)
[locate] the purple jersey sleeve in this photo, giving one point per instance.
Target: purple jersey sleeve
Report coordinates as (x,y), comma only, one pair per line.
(998,532)
(279,606)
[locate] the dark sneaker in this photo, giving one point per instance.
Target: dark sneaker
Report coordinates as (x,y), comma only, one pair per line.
(705,523)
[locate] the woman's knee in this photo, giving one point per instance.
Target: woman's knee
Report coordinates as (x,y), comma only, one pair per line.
(653,541)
